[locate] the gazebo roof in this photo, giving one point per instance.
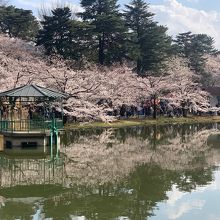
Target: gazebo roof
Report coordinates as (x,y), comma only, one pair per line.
(33,91)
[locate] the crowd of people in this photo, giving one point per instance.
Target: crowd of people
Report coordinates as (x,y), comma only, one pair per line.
(145,109)
(28,112)
(162,107)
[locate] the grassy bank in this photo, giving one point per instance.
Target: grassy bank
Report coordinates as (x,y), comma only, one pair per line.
(139,122)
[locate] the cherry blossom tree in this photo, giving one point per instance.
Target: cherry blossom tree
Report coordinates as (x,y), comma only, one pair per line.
(177,84)
(94,92)
(186,92)
(153,88)
(20,61)
(213,70)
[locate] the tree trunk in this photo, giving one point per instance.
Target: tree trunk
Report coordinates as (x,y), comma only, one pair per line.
(139,68)
(155,110)
(155,137)
(185,111)
(101,49)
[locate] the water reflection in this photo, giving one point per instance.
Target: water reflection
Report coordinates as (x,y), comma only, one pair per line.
(129,173)
(110,155)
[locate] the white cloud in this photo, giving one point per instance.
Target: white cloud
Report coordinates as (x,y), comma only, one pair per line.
(180,203)
(184,208)
(179,18)
(174,195)
(49,4)
(73,217)
(193,1)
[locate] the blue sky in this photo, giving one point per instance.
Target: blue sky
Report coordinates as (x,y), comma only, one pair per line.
(198,16)
(198,4)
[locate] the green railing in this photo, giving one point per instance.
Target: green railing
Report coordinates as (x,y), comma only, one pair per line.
(26,125)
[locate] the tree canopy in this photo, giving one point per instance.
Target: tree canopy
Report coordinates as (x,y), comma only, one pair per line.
(18,22)
(107,34)
(106,28)
(55,35)
(194,47)
(148,42)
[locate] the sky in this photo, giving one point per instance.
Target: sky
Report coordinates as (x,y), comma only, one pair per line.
(197,16)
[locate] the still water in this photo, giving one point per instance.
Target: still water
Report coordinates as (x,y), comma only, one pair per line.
(155,173)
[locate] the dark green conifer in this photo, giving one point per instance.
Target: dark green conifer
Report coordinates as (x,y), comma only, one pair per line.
(18,22)
(55,35)
(107,29)
(148,42)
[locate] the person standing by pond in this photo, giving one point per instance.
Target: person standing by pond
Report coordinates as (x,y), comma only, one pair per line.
(30,113)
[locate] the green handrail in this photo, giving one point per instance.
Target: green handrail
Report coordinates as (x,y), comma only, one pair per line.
(29,125)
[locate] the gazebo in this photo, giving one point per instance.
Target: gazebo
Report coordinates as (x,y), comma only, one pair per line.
(27,111)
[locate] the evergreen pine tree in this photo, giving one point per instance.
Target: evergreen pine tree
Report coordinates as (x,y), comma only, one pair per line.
(194,47)
(183,44)
(55,36)
(148,42)
(18,22)
(107,29)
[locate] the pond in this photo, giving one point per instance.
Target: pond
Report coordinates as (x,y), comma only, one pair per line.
(156,172)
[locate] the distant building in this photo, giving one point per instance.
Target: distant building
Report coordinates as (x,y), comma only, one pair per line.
(215,96)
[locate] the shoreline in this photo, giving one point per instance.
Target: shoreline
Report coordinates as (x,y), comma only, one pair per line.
(143,122)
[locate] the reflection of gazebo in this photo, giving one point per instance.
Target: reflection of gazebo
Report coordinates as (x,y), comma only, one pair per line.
(28,108)
(27,112)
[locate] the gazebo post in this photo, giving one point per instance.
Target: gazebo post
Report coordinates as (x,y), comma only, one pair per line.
(1,112)
(58,144)
(62,109)
(12,124)
(51,144)
(20,115)
(44,114)
(1,108)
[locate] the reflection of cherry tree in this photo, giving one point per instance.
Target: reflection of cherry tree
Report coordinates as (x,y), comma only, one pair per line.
(106,158)
(94,160)
(120,169)
(179,154)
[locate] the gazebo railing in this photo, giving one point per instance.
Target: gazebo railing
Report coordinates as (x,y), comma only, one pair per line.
(27,125)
